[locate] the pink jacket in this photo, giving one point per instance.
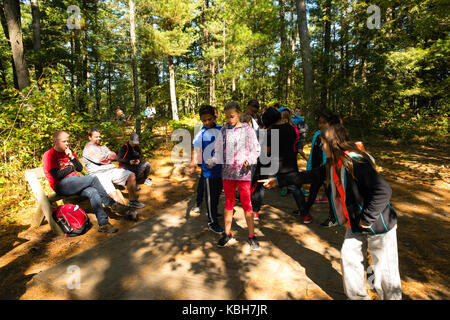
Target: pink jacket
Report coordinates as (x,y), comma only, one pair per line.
(233,147)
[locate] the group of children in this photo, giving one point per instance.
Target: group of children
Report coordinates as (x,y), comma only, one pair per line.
(358,197)
(231,162)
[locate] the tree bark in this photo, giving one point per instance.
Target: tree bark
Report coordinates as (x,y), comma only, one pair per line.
(173,96)
(212,82)
(5,30)
(326,55)
(308,72)
(13,21)
(137,106)
(36,37)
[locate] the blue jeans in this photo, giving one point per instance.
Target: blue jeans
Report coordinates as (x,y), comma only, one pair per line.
(90,187)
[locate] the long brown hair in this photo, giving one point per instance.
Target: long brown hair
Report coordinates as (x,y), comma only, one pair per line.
(339,143)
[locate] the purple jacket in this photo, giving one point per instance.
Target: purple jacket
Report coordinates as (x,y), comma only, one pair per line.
(233,147)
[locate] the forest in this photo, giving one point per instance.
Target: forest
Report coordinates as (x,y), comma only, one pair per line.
(381,65)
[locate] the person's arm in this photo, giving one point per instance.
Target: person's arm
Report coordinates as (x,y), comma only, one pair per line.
(295,178)
(60,174)
(376,190)
(302,177)
(254,147)
(95,155)
(77,164)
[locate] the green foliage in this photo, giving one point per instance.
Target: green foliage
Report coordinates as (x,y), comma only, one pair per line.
(30,118)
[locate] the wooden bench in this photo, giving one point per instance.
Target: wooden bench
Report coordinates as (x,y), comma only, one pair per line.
(45,201)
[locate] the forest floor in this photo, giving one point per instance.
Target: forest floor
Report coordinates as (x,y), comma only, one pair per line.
(419,176)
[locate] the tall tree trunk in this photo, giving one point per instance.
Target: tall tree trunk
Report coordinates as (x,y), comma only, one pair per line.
(13,21)
(326,55)
(212,82)
(36,36)
(308,72)
(282,76)
(173,96)
(5,30)
(137,106)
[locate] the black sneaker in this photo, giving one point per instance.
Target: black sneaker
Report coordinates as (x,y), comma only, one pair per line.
(215,227)
(329,223)
(120,208)
(254,244)
(108,228)
(136,204)
(225,240)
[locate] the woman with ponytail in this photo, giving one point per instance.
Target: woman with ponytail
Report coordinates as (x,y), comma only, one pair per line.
(360,200)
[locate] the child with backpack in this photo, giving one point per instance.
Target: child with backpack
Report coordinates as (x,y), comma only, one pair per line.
(211,176)
(236,148)
(361,202)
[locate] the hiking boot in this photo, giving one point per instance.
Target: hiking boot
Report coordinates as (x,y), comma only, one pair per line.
(307,219)
(254,244)
(120,208)
(133,216)
(225,240)
(136,204)
(329,223)
(215,227)
(255,216)
(108,228)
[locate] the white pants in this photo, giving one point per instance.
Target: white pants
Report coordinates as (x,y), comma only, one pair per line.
(117,176)
(383,251)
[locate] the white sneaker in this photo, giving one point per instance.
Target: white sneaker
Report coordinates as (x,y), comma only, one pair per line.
(148,182)
(195,212)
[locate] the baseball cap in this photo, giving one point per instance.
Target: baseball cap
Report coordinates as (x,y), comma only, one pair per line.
(134,138)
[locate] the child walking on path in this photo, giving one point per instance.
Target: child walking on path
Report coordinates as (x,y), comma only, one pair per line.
(212,176)
(236,148)
(361,201)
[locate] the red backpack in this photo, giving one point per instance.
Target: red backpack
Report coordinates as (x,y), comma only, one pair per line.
(72,219)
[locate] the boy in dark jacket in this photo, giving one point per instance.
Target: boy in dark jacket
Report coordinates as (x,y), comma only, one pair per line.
(130,158)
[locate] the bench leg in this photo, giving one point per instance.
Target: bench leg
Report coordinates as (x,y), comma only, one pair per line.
(37,218)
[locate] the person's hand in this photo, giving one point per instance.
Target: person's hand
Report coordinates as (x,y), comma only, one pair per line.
(69,153)
(269,183)
(136,161)
(211,164)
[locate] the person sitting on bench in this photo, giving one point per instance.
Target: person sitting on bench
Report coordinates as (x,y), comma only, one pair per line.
(98,161)
(130,158)
(61,167)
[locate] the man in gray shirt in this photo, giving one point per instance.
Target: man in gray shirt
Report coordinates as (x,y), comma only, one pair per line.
(98,161)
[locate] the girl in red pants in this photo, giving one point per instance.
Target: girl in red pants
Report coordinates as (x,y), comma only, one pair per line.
(236,148)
